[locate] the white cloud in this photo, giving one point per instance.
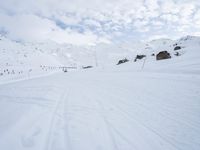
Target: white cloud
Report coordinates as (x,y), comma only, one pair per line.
(169,6)
(34,28)
(97,19)
(160,36)
(72,37)
(26,27)
(68,19)
(92,22)
(157,23)
(170,17)
(152,4)
(196,19)
(140,23)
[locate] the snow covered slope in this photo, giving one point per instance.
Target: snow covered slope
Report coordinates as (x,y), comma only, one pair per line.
(99,109)
(187,61)
(143,105)
(20,61)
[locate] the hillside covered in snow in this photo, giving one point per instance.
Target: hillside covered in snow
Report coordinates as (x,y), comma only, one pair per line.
(141,96)
(148,102)
(22,60)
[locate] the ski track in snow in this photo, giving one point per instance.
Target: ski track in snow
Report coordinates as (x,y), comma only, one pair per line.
(97,111)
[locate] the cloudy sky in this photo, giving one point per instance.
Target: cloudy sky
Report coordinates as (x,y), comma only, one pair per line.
(94,21)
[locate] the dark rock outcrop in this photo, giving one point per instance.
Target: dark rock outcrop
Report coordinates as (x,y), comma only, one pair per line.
(139,57)
(163,55)
(177,48)
(122,61)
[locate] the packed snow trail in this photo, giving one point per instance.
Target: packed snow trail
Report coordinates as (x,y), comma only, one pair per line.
(101,111)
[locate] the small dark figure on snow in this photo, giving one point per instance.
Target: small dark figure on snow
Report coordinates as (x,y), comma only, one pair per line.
(64,69)
(86,67)
(177,54)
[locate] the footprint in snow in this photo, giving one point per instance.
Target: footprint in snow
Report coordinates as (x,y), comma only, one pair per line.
(29,139)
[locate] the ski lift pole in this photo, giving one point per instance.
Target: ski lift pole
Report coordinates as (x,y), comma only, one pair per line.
(144,62)
(95,57)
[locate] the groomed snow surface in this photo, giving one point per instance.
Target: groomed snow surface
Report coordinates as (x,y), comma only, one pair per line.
(102,110)
(143,105)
